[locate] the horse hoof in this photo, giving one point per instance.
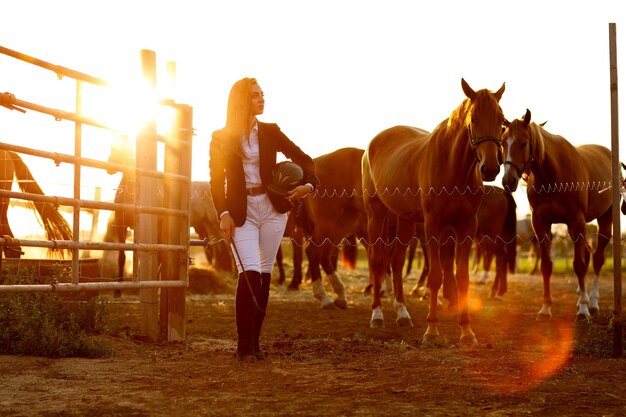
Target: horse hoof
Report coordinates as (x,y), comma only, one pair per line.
(342,304)
(469,340)
(367,290)
(544,317)
(594,312)
(377,324)
(430,339)
(582,317)
(498,297)
(328,306)
(404,322)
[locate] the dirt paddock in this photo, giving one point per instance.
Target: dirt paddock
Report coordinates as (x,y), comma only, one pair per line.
(330,363)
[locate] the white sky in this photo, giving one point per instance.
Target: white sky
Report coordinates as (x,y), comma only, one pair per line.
(334,72)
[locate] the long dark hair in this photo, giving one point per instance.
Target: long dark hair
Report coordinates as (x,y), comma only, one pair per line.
(238,113)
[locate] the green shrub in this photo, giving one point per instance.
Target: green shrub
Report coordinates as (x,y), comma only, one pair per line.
(43,324)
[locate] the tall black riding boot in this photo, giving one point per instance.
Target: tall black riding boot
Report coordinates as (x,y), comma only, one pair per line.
(259,315)
(245,311)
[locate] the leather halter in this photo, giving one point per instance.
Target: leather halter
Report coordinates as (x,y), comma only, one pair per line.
(475,142)
(522,170)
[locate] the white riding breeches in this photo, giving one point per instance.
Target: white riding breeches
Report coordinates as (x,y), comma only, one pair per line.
(258,240)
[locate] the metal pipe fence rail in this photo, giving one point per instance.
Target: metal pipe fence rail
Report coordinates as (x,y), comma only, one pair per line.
(92,163)
(175,208)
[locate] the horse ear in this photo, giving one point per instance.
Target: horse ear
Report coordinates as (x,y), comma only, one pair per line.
(498,94)
(506,123)
(543,124)
(623,165)
(526,118)
(469,92)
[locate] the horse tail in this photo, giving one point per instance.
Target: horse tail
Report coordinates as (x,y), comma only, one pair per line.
(510,232)
(349,252)
(56,227)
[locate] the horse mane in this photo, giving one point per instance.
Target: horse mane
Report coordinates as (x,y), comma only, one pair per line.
(537,137)
(483,102)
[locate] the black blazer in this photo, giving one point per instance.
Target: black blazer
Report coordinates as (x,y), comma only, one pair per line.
(228,184)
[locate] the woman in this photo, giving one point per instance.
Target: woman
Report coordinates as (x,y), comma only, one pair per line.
(242,157)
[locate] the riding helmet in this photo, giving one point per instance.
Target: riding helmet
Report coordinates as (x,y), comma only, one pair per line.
(285,177)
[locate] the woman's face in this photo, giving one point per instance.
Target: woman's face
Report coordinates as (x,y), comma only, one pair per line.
(257,100)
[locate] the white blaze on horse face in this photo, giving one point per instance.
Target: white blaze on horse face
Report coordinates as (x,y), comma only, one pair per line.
(509,143)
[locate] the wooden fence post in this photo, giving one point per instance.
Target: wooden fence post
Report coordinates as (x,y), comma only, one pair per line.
(147,193)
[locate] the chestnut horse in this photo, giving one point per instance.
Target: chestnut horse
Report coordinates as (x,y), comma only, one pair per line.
(436,178)
(497,236)
(564,185)
(12,167)
(331,214)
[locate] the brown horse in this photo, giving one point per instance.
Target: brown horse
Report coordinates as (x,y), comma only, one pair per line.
(564,185)
(12,167)
(334,212)
(435,178)
(497,236)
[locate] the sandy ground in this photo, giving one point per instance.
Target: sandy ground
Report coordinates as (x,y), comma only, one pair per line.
(330,363)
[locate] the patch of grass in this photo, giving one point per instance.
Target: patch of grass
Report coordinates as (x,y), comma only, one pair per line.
(595,337)
(43,324)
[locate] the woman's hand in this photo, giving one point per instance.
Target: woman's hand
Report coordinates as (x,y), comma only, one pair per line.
(227,226)
(299,192)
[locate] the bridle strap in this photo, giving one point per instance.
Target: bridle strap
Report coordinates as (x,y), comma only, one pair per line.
(522,170)
(475,142)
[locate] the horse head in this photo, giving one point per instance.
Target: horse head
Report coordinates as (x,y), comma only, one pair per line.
(484,120)
(518,151)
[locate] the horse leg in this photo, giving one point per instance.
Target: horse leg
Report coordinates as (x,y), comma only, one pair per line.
(605,224)
(410,256)
(478,255)
(314,253)
(281,267)
(487,257)
(499,287)
(434,283)
(377,255)
(422,279)
(329,264)
(544,238)
(462,281)
(536,252)
(450,290)
(296,280)
(399,249)
(581,265)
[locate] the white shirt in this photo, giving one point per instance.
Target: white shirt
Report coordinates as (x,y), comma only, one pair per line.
(251,161)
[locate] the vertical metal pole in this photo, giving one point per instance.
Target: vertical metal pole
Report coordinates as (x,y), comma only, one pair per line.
(616,186)
(78,129)
(146,195)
